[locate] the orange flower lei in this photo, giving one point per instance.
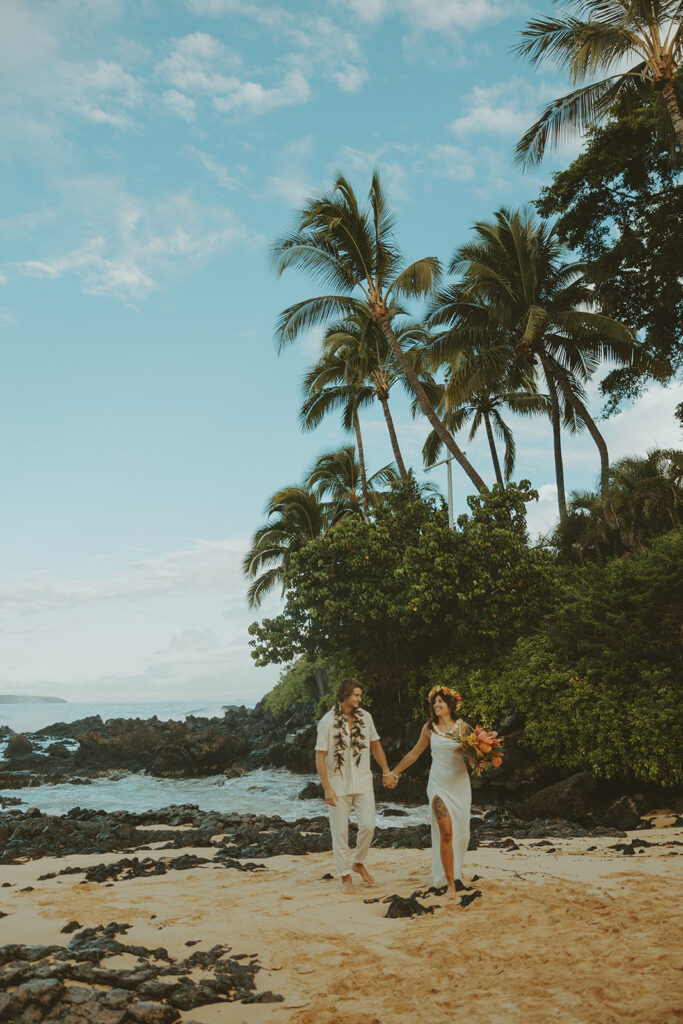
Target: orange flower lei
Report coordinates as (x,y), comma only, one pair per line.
(445,689)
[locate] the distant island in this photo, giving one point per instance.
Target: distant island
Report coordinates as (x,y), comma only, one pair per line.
(22,698)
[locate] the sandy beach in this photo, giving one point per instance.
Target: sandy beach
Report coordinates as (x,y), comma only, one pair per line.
(587,936)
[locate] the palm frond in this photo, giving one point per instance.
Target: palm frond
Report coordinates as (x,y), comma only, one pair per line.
(310,313)
(570,115)
(418,279)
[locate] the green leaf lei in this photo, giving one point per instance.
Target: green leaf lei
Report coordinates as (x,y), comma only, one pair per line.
(357,736)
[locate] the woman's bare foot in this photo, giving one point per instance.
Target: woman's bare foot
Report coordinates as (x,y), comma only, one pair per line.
(347,885)
(452,892)
(364,873)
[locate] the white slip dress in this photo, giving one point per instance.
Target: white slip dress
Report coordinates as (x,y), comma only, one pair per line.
(450,780)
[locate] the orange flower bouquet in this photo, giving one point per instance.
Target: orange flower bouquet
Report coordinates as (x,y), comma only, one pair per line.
(482,748)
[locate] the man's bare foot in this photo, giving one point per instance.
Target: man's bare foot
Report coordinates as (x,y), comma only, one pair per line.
(364,873)
(347,885)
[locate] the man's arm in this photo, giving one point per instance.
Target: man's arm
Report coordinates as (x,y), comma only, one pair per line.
(381,759)
(321,766)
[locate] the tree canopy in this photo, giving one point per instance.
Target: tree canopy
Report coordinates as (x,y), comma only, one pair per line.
(619,205)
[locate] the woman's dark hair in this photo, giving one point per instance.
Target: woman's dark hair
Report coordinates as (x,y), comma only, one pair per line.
(346,688)
(449,699)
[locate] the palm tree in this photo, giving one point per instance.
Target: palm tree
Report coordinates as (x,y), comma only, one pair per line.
(326,387)
(598,36)
(478,404)
(353,251)
(515,285)
(644,501)
(295,517)
(356,368)
(336,476)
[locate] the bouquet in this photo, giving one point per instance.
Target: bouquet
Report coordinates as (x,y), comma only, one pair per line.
(482,749)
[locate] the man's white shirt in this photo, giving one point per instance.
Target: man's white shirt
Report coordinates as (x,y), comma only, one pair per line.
(353,778)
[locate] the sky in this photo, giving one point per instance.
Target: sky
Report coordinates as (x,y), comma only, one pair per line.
(150,151)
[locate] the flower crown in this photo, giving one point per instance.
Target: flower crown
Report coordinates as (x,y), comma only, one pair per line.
(444,689)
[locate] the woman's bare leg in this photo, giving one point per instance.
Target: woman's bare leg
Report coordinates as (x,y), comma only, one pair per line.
(443,820)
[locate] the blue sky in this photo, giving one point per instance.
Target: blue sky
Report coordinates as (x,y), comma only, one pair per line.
(150,151)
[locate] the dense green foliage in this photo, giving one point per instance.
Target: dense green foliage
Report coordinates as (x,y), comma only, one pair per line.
(386,595)
(297,683)
(600,680)
(589,654)
(643,501)
(620,207)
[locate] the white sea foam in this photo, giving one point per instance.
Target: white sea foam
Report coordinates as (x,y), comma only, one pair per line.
(266,791)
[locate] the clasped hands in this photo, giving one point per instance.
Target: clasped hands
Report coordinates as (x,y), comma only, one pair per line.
(390,781)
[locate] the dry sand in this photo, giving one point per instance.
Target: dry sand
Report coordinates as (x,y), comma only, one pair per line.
(572,937)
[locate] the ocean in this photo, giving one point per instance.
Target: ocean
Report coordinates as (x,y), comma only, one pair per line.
(265,791)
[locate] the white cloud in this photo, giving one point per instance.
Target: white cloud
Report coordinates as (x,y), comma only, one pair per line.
(258,99)
(434,15)
(366,10)
(291,183)
(199,65)
(394,172)
(90,637)
(103,93)
(209,567)
(180,104)
(220,173)
(350,77)
(193,641)
(452,162)
(504,108)
(335,51)
(133,242)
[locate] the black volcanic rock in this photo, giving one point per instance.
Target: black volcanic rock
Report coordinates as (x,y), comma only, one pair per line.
(622,814)
(571,799)
(18,745)
(153,991)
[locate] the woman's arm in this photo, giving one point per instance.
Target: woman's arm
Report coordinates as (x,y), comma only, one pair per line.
(412,755)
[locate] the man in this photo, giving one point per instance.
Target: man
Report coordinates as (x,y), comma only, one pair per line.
(346,735)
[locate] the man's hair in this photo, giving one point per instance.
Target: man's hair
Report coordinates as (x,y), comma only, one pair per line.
(346,688)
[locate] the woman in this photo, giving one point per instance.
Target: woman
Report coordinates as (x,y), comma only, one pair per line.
(448,789)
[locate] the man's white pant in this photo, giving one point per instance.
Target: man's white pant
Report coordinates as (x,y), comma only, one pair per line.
(364,806)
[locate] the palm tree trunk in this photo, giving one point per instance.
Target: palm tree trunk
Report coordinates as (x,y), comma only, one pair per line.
(361,463)
(384,401)
(492,446)
(671,100)
(600,442)
(557,444)
(384,324)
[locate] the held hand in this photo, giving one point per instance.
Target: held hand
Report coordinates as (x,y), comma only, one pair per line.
(330,798)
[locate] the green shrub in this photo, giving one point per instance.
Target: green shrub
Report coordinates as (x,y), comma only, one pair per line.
(600,682)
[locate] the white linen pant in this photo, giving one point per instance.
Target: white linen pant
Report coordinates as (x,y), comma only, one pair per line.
(364,806)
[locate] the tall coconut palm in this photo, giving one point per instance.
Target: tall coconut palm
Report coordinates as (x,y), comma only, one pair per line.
(356,368)
(515,284)
(352,249)
(335,476)
(326,388)
(591,37)
(480,403)
(295,517)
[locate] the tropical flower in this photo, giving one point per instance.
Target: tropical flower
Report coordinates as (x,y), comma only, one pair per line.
(482,749)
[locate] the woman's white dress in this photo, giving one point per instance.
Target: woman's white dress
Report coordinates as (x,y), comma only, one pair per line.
(449,779)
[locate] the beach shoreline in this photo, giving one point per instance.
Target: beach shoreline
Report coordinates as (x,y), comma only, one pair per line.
(568,930)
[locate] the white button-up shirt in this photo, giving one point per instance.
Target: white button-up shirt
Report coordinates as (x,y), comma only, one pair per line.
(353,778)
